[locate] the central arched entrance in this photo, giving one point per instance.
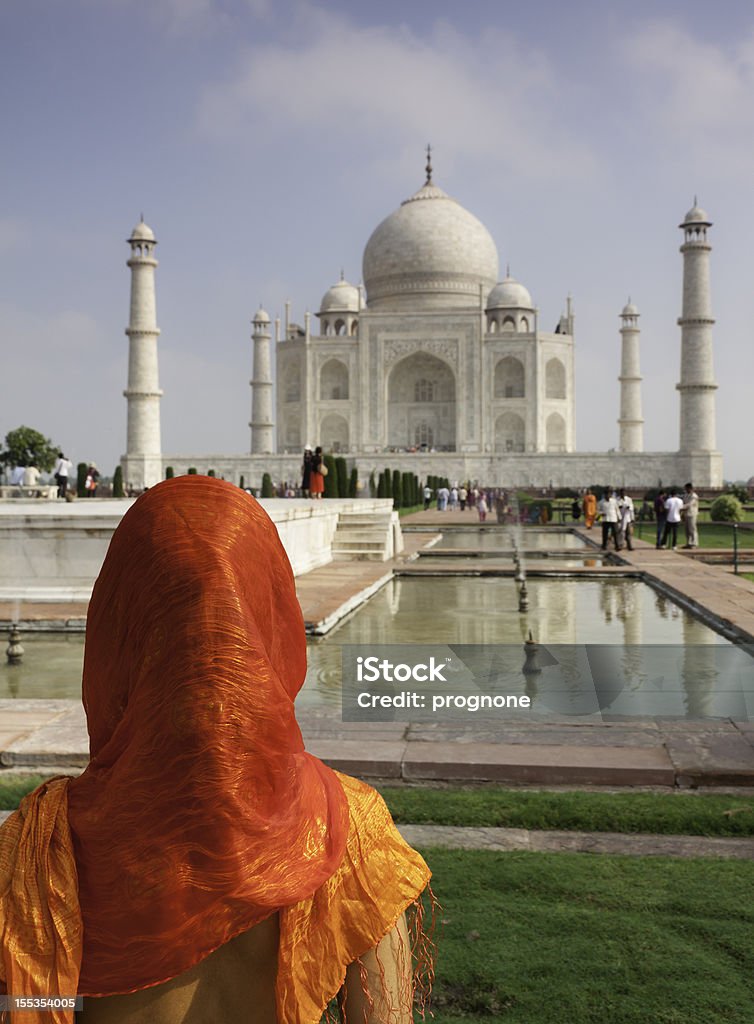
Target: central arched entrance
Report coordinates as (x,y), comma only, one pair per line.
(421,404)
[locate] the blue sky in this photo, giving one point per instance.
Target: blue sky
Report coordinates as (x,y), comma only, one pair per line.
(265,140)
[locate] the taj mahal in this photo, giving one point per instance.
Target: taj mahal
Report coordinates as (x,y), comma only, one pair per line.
(435,365)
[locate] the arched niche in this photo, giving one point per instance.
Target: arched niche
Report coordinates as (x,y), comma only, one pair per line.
(510,433)
(421,390)
(333,380)
(334,433)
(555,379)
(509,378)
(555,433)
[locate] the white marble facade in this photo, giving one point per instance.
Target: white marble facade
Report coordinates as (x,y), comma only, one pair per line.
(440,357)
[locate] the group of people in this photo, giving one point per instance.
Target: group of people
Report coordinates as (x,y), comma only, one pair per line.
(617,514)
(672,508)
(458,498)
(29,476)
(313,473)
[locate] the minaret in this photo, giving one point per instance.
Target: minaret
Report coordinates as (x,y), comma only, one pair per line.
(697,385)
(142,463)
(262,426)
(631,422)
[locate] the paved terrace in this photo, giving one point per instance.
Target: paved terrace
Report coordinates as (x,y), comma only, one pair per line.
(647,752)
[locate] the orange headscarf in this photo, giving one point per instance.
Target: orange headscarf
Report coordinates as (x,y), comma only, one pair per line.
(200,812)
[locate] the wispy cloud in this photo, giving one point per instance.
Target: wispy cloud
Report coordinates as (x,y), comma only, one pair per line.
(702,95)
(365,87)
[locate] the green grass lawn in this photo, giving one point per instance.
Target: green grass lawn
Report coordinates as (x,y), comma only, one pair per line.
(533,938)
(702,815)
(14,787)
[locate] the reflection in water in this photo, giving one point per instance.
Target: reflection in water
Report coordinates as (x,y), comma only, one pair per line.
(501,540)
(622,614)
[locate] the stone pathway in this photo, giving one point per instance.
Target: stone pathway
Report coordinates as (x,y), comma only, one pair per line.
(639,752)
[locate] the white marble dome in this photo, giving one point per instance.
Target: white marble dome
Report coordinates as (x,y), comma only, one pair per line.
(430,253)
(261,316)
(696,215)
(509,293)
(342,297)
(142,233)
(630,309)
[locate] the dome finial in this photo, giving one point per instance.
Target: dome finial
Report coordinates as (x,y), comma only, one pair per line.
(695,200)
(507,270)
(428,168)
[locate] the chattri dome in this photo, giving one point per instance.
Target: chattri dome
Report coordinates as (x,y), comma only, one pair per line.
(431,253)
(142,233)
(510,293)
(696,215)
(342,297)
(630,309)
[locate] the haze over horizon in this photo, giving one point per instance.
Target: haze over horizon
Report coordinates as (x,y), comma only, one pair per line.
(264,141)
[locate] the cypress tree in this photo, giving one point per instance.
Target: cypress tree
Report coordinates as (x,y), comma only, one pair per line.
(267,488)
(118,491)
(192,471)
(210,472)
(169,474)
(81,479)
(341,471)
(241,482)
(331,480)
(397,490)
(353,483)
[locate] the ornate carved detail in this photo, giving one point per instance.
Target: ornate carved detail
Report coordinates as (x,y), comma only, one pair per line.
(393,351)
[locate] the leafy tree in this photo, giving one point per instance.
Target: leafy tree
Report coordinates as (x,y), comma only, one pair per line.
(169,473)
(740,491)
(726,509)
(27,447)
(268,491)
(118,491)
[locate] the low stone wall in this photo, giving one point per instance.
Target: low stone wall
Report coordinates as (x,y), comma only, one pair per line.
(65,544)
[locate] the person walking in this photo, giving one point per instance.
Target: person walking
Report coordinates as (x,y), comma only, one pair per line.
(660,517)
(427,496)
(442,498)
(462,496)
(61,473)
(673,507)
(482,507)
(453,498)
(609,516)
(691,515)
(590,508)
(627,515)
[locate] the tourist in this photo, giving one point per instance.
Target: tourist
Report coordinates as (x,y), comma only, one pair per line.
(92,478)
(317,474)
(673,507)
(204,859)
(691,515)
(427,496)
(31,477)
(590,508)
(626,521)
(481,506)
(608,509)
(61,473)
(575,510)
(462,496)
(442,498)
(306,472)
(660,516)
(453,498)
